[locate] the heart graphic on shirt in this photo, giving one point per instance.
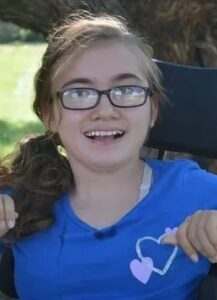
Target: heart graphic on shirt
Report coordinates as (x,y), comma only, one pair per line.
(143,268)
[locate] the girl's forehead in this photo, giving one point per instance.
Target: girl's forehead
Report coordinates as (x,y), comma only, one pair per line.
(102,61)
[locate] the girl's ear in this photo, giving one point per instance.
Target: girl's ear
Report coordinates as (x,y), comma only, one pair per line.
(48,123)
(154,110)
(52,119)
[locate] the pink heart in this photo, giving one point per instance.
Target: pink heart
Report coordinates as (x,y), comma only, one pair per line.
(142,269)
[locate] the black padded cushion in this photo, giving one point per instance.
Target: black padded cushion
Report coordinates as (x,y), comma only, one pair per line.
(189,122)
(208,288)
(7,285)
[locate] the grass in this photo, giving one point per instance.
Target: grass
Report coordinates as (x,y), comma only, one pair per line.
(19,63)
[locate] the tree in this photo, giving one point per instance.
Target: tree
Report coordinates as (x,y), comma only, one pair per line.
(183,31)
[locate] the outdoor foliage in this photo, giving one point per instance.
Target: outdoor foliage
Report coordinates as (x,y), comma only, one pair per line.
(13,33)
(18,65)
(183,31)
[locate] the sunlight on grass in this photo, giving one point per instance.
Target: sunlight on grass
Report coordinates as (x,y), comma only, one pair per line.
(19,63)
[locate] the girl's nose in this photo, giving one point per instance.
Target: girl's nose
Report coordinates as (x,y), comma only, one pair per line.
(105,109)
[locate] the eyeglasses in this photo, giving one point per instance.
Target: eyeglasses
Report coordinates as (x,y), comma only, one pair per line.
(120,96)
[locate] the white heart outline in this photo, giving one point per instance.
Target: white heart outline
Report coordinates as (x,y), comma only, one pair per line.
(158,241)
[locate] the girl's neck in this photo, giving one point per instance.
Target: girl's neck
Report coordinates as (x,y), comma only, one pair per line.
(103,198)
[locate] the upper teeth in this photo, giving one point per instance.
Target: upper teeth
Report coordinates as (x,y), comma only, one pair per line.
(104,133)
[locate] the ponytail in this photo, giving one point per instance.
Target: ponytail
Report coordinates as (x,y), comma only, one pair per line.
(38,175)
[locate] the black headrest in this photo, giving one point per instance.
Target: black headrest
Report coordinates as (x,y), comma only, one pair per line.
(189,122)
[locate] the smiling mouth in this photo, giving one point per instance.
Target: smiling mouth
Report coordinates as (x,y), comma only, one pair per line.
(104,134)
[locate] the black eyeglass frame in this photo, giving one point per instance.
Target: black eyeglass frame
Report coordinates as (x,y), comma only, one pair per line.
(147,90)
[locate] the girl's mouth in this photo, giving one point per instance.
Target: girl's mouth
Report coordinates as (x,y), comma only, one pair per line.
(104,135)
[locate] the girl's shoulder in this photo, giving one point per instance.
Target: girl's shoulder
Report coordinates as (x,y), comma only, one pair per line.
(179,164)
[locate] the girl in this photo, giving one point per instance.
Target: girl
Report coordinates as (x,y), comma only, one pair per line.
(92,213)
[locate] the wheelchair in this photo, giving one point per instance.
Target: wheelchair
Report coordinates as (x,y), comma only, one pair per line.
(187,124)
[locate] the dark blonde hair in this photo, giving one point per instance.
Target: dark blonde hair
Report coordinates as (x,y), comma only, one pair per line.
(76,34)
(38,174)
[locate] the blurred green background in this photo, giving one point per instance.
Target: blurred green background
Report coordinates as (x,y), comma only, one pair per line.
(18,64)
(21,51)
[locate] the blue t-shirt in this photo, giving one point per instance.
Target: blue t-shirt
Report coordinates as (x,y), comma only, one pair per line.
(126,261)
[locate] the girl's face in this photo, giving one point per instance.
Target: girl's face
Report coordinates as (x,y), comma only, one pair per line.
(103,66)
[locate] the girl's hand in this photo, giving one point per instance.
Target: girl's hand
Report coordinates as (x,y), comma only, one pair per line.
(198,233)
(7,214)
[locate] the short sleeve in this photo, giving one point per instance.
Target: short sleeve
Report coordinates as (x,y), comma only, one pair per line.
(200,187)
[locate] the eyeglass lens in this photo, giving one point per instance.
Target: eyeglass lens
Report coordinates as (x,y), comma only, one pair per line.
(123,96)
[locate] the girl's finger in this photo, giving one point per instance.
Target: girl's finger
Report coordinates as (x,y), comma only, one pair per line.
(198,236)
(205,235)
(9,204)
(11,223)
(185,242)
(3,225)
(2,213)
(211,228)
(170,239)
(8,208)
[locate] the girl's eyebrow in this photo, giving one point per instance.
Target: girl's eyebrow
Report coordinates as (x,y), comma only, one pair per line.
(119,77)
(77,80)
(125,76)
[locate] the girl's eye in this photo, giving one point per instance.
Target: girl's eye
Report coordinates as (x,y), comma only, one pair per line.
(132,91)
(80,93)
(124,91)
